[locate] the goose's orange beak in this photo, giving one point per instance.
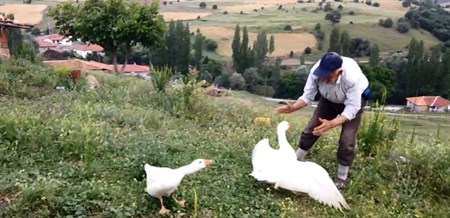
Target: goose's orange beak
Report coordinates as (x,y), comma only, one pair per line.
(207,161)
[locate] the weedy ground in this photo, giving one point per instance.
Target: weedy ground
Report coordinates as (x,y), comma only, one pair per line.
(81,153)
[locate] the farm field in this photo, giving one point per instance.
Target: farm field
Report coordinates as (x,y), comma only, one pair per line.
(264,15)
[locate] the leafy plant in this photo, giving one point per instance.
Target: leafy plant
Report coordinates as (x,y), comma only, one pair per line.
(160,78)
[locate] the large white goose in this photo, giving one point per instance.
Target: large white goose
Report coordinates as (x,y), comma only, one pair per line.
(282,168)
(309,177)
(163,181)
(267,161)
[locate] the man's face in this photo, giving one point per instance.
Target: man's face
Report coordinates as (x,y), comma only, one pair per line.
(332,76)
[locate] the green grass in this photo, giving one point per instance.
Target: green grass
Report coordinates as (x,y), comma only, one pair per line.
(82,153)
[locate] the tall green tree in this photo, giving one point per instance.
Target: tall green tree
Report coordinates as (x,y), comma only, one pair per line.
(198,49)
(443,85)
(335,40)
(236,47)
(110,24)
(345,42)
(411,78)
(244,52)
(271,44)
(374,58)
(260,48)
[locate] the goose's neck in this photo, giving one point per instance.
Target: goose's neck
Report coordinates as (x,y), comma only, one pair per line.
(188,169)
(282,140)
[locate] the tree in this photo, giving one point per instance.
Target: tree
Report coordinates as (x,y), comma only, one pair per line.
(202,5)
(345,43)
(245,61)
(237,81)
(260,48)
(333,16)
(382,79)
(334,40)
(271,44)
(236,46)
(251,77)
(110,24)
(198,49)
(374,55)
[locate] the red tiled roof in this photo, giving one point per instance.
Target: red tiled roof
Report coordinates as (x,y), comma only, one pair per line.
(51,37)
(44,44)
(436,101)
(91,47)
(12,23)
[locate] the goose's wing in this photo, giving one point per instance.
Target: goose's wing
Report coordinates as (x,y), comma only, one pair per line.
(161,180)
(262,154)
(323,189)
(311,178)
(264,160)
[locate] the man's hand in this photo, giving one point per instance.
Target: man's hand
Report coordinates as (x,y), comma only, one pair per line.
(328,124)
(287,108)
(323,128)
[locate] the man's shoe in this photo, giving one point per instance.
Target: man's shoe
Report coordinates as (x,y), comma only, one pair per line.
(340,183)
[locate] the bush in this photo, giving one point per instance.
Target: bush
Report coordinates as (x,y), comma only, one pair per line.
(376,4)
(202,5)
(35,31)
(214,7)
(308,50)
(388,23)
(403,27)
(351,13)
(406,3)
(368,2)
(20,78)
(287,28)
(160,78)
(237,81)
(211,45)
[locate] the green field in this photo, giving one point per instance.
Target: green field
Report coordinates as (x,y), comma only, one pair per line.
(81,153)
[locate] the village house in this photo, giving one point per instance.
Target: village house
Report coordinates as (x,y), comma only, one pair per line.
(5,23)
(428,103)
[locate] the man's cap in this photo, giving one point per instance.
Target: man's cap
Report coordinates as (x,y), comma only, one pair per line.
(328,63)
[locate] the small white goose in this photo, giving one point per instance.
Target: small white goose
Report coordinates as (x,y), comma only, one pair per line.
(267,161)
(163,181)
(311,178)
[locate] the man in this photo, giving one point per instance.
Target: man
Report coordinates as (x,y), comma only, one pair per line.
(344,92)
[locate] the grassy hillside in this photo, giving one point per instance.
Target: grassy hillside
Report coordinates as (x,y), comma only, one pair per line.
(81,152)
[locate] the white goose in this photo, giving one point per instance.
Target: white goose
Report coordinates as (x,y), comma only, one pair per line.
(309,177)
(282,168)
(267,161)
(162,181)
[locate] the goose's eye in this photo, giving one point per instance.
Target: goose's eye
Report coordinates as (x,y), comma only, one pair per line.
(199,161)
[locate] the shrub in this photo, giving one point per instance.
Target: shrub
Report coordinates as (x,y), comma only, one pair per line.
(386,23)
(160,78)
(376,4)
(202,5)
(20,78)
(214,7)
(403,27)
(351,13)
(406,3)
(308,50)
(211,45)
(35,31)
(237,81)
(287,28)
(368,2)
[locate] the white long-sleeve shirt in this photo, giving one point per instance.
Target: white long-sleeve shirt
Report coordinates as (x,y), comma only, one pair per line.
(347,89)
